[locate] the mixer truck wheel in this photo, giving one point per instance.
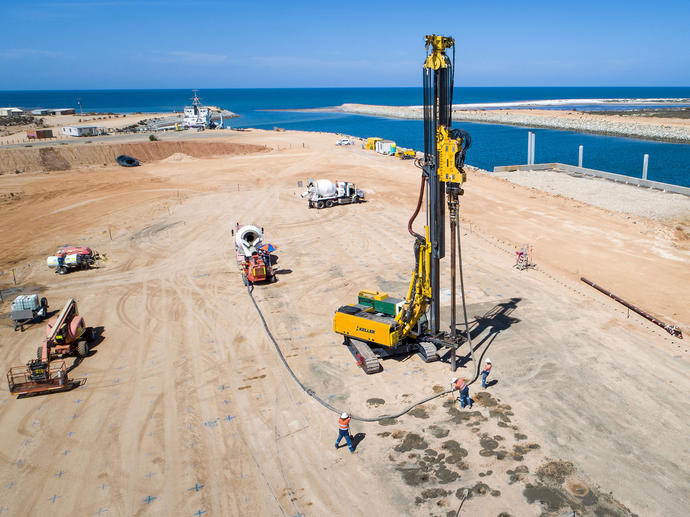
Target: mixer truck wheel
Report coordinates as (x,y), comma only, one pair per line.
(82,348)
(329,203)
(319,204)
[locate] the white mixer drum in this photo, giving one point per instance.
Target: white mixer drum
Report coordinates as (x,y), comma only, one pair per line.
(325,188)
(247,239)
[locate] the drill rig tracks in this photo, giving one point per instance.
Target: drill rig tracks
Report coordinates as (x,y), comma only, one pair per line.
(363,354)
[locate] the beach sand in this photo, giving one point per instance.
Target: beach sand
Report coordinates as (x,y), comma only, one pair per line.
(187,407)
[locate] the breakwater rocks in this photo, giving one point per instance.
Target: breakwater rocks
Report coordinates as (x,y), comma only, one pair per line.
(648,128)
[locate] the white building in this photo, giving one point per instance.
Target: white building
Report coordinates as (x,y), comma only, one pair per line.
(62,111)
(82,130)
(10,112)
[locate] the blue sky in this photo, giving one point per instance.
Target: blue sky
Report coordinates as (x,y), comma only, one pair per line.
(81,44)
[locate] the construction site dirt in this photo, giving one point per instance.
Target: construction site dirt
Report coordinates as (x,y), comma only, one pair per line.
(185,408)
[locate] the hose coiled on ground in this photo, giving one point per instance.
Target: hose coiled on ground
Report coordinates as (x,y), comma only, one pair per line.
(311,392)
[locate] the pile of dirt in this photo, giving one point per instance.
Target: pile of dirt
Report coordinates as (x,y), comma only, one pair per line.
(58,158)
(179,157)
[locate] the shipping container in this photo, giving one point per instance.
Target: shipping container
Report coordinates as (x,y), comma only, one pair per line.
(385,147)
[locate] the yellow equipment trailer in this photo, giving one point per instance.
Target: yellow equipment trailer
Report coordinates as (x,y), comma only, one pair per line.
(371,143)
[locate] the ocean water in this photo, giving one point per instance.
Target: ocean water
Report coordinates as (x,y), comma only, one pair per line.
(491,144)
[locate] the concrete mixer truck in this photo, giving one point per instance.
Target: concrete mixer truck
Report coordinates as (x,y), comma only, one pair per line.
(325,193)
(253,254)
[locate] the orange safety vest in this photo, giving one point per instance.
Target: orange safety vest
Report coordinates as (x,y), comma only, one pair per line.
(344,424)
(487,368)
(460,385)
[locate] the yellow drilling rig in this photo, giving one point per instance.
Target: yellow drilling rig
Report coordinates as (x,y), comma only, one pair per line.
(379,325)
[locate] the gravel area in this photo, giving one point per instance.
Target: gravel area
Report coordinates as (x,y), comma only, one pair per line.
(670,130)
(605,194)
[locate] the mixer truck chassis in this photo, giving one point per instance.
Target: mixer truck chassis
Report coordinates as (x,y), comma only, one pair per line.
(329,202)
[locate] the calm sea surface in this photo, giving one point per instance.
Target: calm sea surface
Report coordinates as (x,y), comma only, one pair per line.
(492,144)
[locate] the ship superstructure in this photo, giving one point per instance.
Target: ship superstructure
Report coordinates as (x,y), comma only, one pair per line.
(197,115)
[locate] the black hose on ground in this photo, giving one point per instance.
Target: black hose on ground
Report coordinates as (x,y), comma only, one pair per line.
(311,392)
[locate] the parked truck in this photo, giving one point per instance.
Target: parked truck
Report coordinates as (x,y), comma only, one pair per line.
(326,193)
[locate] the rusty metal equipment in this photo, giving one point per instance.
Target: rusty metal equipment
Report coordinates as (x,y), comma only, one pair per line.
(66,335)
(38,377)
(671,329)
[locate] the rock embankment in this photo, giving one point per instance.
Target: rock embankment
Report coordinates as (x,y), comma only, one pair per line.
(648,128)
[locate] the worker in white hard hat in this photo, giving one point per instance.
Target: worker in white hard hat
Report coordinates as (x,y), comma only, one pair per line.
(486,371)
(344,431)
(464,389)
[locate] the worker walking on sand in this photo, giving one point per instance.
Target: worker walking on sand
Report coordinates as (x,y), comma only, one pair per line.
(486,371)
(344,431)
(464,389)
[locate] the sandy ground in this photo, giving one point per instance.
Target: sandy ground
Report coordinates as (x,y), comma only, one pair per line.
(186,407)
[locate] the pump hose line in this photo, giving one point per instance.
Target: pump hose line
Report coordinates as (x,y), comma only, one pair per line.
(311,392)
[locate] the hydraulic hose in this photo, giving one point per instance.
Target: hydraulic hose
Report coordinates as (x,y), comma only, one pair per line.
(311,392)
(416,212)
(464,307)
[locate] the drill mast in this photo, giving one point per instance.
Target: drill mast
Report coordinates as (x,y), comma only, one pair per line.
(444,156)
(401,325)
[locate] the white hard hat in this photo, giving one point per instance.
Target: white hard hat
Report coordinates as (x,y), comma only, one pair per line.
(454,379)
(344,415)
(488,360)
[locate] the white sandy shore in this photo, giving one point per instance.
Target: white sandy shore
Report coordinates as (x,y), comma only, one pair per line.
(667,129)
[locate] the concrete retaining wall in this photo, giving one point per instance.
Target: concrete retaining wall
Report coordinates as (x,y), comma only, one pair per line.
(619,178)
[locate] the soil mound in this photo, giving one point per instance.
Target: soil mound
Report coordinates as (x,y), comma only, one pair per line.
(179,157)
(59,158)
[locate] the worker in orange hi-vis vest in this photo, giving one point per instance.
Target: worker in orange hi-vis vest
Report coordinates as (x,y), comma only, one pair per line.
(486,371)
(344,431)
(464,389)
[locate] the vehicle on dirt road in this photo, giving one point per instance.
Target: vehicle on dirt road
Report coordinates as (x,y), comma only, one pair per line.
(325,193)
